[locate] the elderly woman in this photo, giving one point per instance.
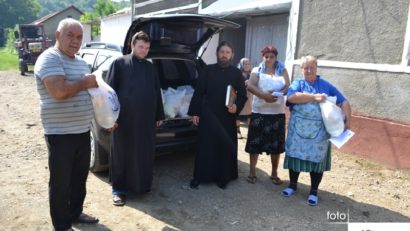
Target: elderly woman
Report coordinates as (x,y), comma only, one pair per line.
(244,66)
(268,82)
(307,145)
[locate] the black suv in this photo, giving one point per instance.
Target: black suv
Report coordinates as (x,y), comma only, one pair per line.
(175,43)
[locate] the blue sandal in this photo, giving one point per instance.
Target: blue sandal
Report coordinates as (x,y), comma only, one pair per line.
(287,192)
(313,200)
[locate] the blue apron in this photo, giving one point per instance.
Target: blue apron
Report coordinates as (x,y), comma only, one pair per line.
(307,137)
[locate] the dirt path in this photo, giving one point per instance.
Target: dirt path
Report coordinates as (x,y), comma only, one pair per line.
(365,191)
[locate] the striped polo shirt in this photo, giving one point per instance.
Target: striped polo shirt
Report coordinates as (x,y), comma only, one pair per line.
(69,116)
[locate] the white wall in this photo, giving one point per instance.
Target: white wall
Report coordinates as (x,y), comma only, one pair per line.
(86,33)
(114,29)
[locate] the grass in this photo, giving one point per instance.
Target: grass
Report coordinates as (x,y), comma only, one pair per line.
(8,61)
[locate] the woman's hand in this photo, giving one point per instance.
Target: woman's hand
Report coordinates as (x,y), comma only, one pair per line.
(232,108)
(319,97)
(195,120)
(269,98)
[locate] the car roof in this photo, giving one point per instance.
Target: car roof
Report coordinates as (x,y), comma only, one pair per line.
(102,45)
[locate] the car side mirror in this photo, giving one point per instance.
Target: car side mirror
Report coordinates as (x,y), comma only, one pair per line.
(16,34)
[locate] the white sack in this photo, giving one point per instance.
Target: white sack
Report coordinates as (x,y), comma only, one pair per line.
(332,117)
(105,103)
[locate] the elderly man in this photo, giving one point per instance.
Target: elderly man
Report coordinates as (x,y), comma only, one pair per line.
(66,113)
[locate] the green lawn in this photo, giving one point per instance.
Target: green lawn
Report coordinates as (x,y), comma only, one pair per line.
(8,61)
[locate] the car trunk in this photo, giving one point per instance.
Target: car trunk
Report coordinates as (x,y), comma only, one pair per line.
(178,79)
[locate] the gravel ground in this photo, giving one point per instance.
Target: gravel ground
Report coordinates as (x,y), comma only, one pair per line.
(358,189)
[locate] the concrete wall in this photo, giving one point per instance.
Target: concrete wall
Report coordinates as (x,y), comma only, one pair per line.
(359,31)
(353,30)
(51,24)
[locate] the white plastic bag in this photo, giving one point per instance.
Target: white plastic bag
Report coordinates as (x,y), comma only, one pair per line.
(105,103)
(176,101)
(332,117)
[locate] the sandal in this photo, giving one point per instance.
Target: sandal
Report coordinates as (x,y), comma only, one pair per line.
(276,180)
(287,192)
(118,200)
(313,200)
(251,179)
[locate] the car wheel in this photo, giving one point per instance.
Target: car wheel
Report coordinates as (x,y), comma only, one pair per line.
(96,156)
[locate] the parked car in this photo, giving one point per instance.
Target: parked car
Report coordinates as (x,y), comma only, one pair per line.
(175,44)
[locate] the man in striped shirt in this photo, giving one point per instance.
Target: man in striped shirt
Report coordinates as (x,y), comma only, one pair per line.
(66,112)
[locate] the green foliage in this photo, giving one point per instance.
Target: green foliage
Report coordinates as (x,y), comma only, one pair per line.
(50,6)
(102,8)
(10,42)
(14,12)
(8,61)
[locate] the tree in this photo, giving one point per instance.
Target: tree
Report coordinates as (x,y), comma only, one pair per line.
(14,12)
(102,8)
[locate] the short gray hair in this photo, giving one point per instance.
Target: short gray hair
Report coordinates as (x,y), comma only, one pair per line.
(308,58)
(67,22)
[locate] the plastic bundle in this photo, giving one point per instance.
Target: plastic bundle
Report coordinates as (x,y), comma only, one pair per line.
(105,103)
(332,117)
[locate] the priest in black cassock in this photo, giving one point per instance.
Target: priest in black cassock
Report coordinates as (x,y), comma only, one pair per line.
(133,141)
(216,159)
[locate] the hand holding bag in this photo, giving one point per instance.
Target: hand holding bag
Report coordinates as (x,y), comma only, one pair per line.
(105,103)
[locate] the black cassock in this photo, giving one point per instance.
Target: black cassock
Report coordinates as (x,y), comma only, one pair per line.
(216,159)
(133,142)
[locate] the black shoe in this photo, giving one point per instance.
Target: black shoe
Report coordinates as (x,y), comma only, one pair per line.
(222,185)
(86,219)
(194,184)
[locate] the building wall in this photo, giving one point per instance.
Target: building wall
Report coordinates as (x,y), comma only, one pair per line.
(114,29)
(359,31)
(364,31)
(161,5)
(51,24)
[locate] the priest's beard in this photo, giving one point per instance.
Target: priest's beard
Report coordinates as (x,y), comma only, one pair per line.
(224,62)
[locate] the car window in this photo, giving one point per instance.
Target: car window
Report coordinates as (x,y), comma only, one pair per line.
(104,66)
(89,58)
(100,60)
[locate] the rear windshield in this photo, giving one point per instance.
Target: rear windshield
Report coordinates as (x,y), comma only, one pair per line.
(174,73)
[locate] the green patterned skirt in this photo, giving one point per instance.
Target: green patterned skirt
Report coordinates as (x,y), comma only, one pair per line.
(299,165)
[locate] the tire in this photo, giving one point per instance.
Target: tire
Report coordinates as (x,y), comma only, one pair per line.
(97,155)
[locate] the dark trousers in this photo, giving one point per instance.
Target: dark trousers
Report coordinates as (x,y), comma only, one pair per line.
(68,161)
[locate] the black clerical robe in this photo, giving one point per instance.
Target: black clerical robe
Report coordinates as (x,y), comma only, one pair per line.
(133,142)
(217,154)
